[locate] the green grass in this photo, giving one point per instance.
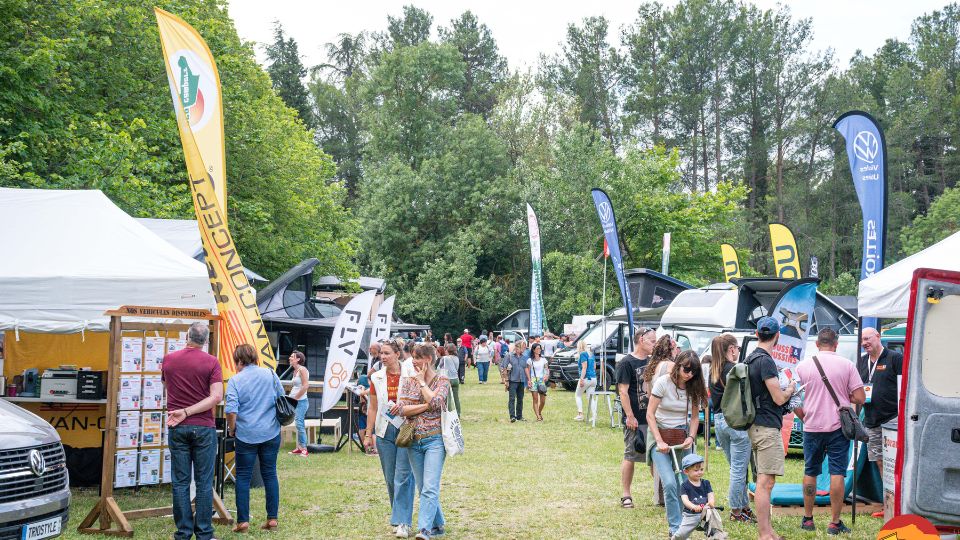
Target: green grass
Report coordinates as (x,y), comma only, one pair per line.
(551,479)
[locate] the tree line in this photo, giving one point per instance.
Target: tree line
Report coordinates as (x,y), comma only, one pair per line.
(410,152)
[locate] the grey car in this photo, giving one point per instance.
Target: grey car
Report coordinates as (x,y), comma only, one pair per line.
(34,484)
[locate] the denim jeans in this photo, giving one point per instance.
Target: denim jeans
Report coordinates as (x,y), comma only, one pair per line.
(736,446)
(301,412)
(516,397)
(398,476)
(482,369)
(663,463)
(196,447)
(247,454)
(426,459)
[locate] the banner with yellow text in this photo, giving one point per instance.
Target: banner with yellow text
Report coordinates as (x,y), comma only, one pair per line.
(236,299)
(731,263)
(786,259)
(195,84)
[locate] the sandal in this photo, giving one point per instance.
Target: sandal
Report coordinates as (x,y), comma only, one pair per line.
(626,502)
(270,525)
(241,527)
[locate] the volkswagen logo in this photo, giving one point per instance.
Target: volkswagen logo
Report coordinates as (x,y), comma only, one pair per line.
(605,212)
(37,464)
(866,147)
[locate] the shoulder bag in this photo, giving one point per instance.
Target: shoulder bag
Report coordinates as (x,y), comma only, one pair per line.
(285,405)
(405,434)
(452,432)
(849,421)
(675,436)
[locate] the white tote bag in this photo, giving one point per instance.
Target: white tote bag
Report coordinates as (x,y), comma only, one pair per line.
(452,434)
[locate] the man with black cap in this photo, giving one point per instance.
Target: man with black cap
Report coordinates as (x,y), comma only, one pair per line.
(764,434)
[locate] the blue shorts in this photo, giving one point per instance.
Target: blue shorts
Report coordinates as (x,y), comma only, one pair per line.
(831,444)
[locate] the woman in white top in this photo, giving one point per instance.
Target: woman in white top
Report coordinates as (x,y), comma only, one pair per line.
(482,355)
(538,374)
(673,419)
(301,382)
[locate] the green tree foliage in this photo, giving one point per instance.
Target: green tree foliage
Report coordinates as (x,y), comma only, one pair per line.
(940,221)
(85,104)
(287,72)
(571,287)
(484,69)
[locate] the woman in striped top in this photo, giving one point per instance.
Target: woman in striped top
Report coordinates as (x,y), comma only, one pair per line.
(423,398)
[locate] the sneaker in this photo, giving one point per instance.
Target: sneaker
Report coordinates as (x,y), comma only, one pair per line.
(578,418)
(877,515)
(838,528)
(807,524)
(741,517)
(512,420)
(423,535)
(402,531)
(304,453)
(438,531)
(294,452)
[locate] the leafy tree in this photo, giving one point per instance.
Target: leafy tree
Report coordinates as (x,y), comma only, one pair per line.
(589,69)
(941,221)
(411,29)
(571,287)
(287,73)
(485,68)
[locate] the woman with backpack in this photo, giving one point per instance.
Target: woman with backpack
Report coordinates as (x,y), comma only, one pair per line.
(672,419)
(587,382)
(735,443)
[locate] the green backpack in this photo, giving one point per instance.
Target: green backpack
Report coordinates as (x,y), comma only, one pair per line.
(737,403)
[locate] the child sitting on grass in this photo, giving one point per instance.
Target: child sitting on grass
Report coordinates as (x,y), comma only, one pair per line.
(698,503)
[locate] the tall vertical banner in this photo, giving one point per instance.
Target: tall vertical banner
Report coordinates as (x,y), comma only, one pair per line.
(538,317)
(344,346)
(195,85)
(382,321)
(236,299)
(609,223)
(731,263)
(867,153)
(786,258)
(793,310)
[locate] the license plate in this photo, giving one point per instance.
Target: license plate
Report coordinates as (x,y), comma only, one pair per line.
(42,529)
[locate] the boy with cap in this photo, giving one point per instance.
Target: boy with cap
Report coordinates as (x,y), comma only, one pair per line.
(696,494)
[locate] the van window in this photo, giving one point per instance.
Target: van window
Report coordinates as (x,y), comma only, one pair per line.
(940,369)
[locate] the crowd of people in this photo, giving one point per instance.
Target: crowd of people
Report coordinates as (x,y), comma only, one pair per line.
(662,391)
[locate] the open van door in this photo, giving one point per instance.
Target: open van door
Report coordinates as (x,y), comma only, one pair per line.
(927,471)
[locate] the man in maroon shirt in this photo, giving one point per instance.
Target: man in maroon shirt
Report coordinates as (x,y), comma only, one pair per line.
(194,384)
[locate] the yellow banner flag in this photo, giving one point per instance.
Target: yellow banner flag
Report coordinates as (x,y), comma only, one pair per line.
(731,263)
(236,299)
(195,85)
(786,259)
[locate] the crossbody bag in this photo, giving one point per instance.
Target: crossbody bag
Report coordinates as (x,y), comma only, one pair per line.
(850,423)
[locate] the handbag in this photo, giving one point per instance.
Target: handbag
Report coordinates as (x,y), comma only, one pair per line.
(405,435)
(675,436)
(286,410)
(850,424)
(452,432)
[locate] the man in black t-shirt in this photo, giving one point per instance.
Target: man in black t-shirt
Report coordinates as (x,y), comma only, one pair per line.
(764,434)
(629,377)
(879,370)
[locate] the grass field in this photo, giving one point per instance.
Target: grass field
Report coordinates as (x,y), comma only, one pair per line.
(551,479)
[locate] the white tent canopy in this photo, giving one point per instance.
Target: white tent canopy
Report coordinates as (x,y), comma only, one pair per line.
(68,256)
(886,294)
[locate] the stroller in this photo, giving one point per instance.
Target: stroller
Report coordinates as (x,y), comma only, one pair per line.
(709,520)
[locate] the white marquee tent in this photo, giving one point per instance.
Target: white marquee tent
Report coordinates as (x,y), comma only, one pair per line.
(68,256)
(886,294)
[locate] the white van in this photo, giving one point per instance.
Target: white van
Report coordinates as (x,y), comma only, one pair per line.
(927,472)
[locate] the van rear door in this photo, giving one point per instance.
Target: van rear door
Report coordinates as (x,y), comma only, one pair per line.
(928,468)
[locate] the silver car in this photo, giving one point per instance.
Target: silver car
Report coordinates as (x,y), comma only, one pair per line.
(34,484)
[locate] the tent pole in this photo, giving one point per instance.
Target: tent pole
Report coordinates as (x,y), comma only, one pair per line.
(856,443)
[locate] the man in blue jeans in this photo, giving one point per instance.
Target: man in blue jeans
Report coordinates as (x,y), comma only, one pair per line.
(834,383)
(194,385)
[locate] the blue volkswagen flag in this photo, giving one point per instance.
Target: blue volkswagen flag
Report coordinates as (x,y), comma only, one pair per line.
(867,152)
(609,223)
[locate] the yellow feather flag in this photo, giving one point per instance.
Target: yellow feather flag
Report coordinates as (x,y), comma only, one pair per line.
(731,263)
(195,84)
(786,258)
(236,299)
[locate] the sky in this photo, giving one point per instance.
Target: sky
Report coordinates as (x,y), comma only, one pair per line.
(525,29)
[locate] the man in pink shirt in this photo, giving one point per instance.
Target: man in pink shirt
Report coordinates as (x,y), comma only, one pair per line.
(822,435)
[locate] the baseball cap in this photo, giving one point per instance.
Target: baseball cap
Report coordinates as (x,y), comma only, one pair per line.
(767,326)
(690,460)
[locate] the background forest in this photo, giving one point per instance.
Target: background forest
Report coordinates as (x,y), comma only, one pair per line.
(410,153)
